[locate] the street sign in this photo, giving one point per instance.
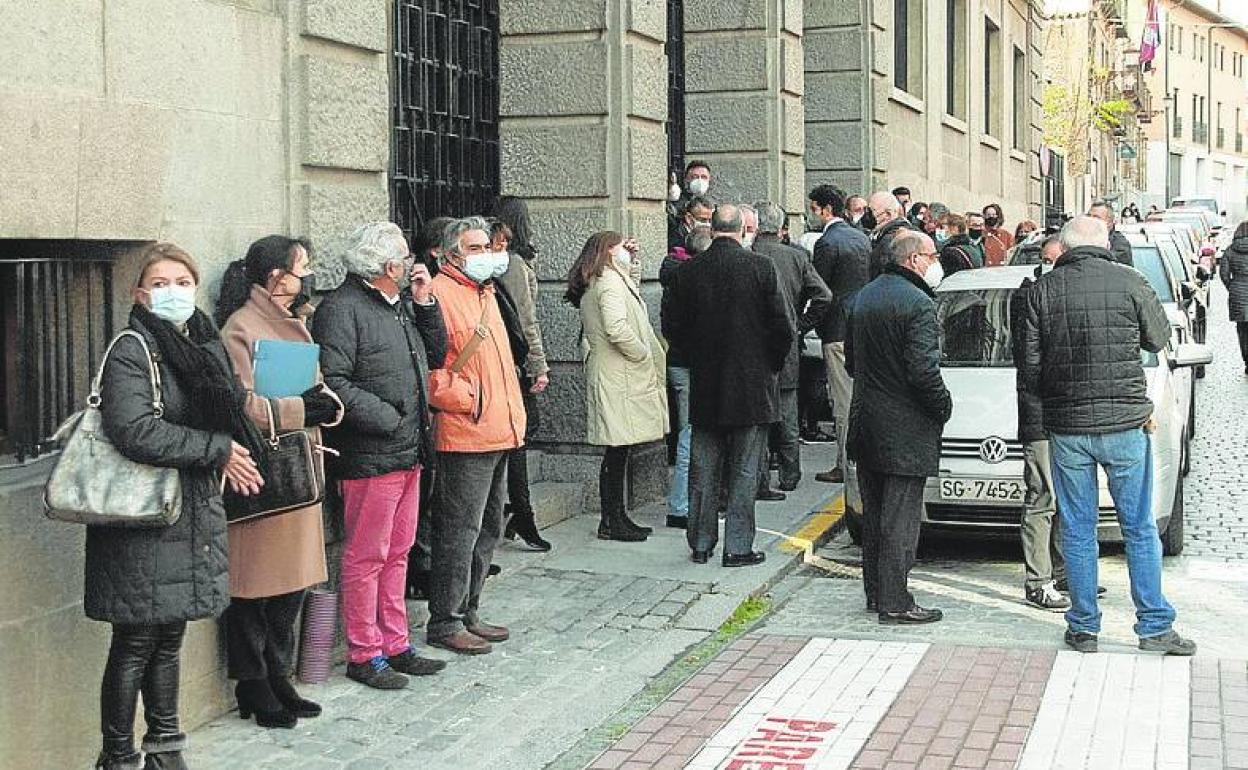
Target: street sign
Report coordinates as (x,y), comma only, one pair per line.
(1127,152)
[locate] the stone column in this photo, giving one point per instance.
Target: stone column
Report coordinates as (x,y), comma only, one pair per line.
(583,100)
(743,104)
(838,116)
(338,102)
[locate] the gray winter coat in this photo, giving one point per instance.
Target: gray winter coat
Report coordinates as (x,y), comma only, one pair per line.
(167,574)
(1234,272)
(1084,324)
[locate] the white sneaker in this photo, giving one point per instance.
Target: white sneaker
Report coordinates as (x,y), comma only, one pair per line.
(1047,598)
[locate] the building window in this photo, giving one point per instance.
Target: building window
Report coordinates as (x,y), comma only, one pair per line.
(1178,36)
(908,46)
(955,58)
(1021,102)
(676,88)
(444,150)
(992,78)
(56,300)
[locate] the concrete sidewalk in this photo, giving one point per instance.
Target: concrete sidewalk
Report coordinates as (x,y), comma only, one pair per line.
(592,623)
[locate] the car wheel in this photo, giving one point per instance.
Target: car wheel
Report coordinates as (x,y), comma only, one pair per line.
(1172,538)
(853,525)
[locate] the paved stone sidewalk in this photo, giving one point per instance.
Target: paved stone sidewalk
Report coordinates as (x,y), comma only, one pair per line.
(801,703)
(592,623)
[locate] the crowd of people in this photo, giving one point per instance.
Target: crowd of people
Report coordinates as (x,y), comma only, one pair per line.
(430,360)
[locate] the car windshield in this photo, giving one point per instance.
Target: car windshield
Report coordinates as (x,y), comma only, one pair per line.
(1148,261)
(975,327)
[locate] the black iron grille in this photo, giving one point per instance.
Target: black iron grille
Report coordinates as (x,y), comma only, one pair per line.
(676,86)
(444,153)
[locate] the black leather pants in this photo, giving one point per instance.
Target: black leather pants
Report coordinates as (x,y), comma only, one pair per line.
(142,658)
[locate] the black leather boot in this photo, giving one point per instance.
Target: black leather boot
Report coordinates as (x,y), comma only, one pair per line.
(110,761)
(285,693)
(256,697)
(524,525)
(165,760)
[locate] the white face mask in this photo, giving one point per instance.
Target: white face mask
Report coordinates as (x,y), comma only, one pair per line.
(479,267)
(501,261)
(623,259)
(699,186)
(934,274)
(747,240)
(174,304)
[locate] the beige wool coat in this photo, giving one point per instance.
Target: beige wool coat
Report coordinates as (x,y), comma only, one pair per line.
(625,365)
(283,553)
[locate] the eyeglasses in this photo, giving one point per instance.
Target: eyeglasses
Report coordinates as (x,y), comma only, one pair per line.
(931,254)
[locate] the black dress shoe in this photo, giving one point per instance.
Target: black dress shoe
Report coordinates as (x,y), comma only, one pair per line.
(744,559)
(788,486)
(872,606)
(912,616)
(769,496)
(699,557)
(677,522)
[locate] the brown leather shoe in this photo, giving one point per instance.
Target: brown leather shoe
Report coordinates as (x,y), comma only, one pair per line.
(462,642)
(490,633)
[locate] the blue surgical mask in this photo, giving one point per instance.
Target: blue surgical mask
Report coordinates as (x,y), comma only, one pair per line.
(174,304)
(479,267)
(623,259)
(502,260)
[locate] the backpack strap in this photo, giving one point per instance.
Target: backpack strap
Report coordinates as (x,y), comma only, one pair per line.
(470,348)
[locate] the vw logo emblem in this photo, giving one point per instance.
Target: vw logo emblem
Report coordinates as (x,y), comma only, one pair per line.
(992,450)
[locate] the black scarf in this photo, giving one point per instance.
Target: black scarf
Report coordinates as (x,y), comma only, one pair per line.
(214,392)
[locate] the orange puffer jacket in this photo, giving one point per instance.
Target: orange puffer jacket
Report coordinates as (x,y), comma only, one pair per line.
(480,408)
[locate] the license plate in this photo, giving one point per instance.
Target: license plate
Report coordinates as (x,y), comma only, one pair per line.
(983,490)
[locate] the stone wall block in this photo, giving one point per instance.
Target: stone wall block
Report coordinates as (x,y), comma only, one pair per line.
(567,161)
(521,17)
(725,64)
(559,234)
(39,181)
(741,178)
(647,157)
(331,212)
(702,15)
(648,225)
(882,53)
(649,18)
(792,19)
(834,96)
(836,147)
(881,90)
(881,13)
(793,73)
(52,45)
(831,13)
(123,157)
(647,82)
(794,189)
(563,406)
(360,23)
(560,322)
(722,123)
(558,79)
(793,126)
(345,116)
(833,50)
(849,181)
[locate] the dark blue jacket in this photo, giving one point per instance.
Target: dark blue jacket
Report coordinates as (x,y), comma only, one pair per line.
(842,257)
(892,351)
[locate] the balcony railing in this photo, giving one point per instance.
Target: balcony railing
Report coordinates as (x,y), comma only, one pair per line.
(1200,133)
(1177,129)
(1239,143)
(1221,140)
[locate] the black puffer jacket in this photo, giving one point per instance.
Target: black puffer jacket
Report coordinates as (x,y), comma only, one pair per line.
(1120,249)
(167,574)
(879,243)
(376,357)
(900,404)
(1082,331)
(1030,408)
(1234,271)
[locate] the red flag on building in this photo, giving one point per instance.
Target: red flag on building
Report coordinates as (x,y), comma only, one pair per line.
(1152,38)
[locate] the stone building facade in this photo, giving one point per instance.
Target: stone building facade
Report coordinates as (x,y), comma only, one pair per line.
(213,122)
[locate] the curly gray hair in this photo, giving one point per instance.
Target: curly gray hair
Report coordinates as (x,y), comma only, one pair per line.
(371,247)
(453,231)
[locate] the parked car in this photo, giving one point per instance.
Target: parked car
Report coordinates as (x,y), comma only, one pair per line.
(1185,263)
(1209,204)
(980,485)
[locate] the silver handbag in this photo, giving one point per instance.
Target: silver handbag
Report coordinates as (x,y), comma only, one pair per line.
(94,484)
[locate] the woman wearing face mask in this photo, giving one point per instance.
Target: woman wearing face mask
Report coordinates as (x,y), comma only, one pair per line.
(997,240)
(273,560)
(625,370)
(149,582)
(518,281)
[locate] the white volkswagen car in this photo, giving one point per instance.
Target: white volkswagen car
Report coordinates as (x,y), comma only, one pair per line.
(981,465)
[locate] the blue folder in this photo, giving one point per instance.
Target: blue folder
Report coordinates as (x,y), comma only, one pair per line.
(284,368)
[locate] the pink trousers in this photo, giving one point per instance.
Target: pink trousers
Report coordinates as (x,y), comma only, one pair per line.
(380,516)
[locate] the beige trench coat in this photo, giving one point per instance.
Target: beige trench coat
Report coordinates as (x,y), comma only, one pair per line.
(625,365)
(286,552)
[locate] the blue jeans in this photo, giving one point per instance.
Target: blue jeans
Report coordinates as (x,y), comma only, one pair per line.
(1128,465)
(678,496)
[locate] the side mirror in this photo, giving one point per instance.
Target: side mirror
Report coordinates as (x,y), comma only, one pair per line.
(1191,354)
(1202,274)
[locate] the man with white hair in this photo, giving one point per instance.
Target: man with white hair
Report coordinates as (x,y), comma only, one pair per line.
(749,216)
(480,420)
(890,218)
(376,353)
(1082,329)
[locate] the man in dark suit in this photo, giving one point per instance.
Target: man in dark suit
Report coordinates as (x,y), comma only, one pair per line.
(842,257)
(898,413)
(807,296)
(730,318)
